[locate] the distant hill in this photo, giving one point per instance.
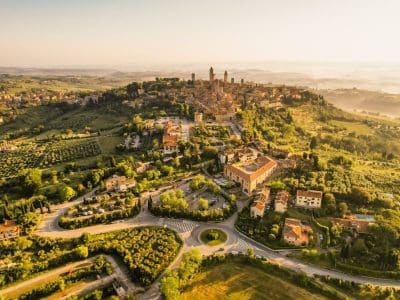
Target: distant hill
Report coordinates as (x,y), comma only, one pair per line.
(363,100)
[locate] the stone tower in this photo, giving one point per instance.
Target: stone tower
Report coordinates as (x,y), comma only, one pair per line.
(193,78)
(225,77)
(198,117)
(211,74)
(232,80)
(242,81)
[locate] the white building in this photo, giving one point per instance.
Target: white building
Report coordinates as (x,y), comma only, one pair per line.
(281,201)
(309,199)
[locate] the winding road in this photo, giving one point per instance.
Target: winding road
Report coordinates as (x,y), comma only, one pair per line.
(189,232)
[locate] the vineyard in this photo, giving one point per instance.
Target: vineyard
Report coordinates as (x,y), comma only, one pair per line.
(32,155)
(147,251)
(64,151)
(12,162)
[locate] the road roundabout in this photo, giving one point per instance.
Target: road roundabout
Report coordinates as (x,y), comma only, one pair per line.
(190,233)
(213,237)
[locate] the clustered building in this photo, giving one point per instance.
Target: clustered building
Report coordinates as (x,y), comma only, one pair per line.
(171,137)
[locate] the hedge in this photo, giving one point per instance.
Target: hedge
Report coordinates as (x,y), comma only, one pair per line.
(73,223)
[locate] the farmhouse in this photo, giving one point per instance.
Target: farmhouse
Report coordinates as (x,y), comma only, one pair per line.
(257,209)
(281,201)
(358,223)
(119,183)
(8,230)
(296,233)
(251,172)
(309,199)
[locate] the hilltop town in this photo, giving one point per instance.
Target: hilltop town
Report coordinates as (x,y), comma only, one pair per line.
(161,174)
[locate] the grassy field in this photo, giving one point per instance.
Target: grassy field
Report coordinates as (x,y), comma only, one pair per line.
(240,281)
(358,128)
(220,237)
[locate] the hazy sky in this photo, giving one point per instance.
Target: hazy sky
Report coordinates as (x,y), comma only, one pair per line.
(49,33)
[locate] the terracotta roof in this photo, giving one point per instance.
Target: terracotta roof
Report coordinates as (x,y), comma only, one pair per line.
(361,225)
(262,164)
(282,197)
(169,140)
(296,229)
(309,194)
(262,201)
(8,225)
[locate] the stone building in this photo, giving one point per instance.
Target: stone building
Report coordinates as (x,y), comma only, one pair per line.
(250,173)
(119,183)
(281,201)
(309,199)
(212,75)
(257,209)
(198,117)
(297,233)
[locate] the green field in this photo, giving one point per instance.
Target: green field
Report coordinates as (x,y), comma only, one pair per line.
(239,281)
(213,237)
(356,127)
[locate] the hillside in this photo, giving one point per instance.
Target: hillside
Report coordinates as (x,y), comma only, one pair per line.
(364,100)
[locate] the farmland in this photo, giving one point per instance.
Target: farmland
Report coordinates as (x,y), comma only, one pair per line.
(42,155)
(63,151)
(234,280)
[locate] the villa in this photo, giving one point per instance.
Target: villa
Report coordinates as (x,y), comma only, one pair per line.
(309,199)
(250,173)
(356,222)
(297,233)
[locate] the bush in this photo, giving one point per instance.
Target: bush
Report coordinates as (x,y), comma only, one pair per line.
(73,223)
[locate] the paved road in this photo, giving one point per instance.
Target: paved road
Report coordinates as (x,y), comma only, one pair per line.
(45,276)
(90,286)
(190,230)
(119,273)
(50,221)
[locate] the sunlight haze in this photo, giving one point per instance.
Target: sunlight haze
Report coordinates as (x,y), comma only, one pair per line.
(115,33)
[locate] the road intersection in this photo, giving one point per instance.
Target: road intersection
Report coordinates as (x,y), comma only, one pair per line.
(189,232)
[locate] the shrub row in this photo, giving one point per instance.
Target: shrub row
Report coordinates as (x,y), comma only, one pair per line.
(73,223)
(197,215)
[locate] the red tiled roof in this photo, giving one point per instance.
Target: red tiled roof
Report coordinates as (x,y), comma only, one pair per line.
(262,201)
(282,197)
(294,227)
(309,194)
(267,164)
